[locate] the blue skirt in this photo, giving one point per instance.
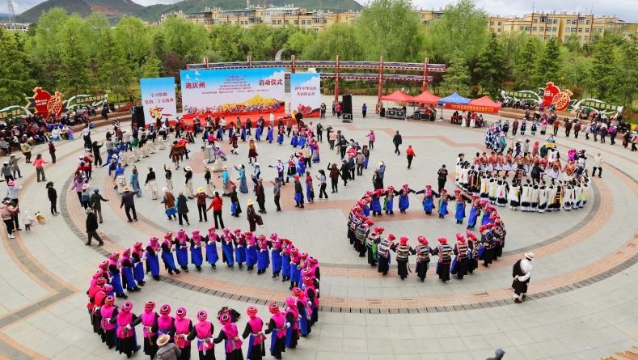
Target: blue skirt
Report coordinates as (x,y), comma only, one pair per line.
(276,261)
(129,279)
(240,255)
(295,273)
(263,260)
(294,141)
(211,253)
(460,211)
(251,346)
(298,197)
(138,271)
(471,220)
(196,256)
(308,193)
(303,322)
(428,204)
(269,136)
(404,202)
(258,134)
(485,220)
(389,205)
(285,266)
(182,256)
(366,210)
(443,208)
(251,255)
(170,212)
(365,162)
(243,186)
(375,204)
(228,254)
(152,263)
(117,283)
(302,141)
(301,168)
(169,260)
(243,134)
(280,139)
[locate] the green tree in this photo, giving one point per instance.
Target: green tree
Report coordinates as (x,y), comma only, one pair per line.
(548,64)
(44,47)
(338,39)
(493,67)
(604,68)
(389,28)
(186,39)
(226,40)
(457,74)
(462,27)
(576,72)
(525,65)
(133,39)
(15,79)
(627,73)
(299,41)
(74,57)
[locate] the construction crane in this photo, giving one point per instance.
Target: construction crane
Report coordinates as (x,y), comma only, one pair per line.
(12,15)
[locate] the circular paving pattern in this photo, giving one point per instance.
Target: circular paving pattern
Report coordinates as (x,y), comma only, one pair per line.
(574,251)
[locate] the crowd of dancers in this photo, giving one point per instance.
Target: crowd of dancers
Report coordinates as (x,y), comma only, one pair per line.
(459,259)
(128,271)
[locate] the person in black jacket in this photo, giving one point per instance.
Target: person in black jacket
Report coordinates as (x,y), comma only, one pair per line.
(397,140)
(53,198)
(182,209)
(128,203)
(260,195)
(96,153)
(91,228)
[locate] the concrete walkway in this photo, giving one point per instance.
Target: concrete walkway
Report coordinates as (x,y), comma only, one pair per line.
(582,295)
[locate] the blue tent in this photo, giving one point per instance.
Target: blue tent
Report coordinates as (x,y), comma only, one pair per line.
(454,99)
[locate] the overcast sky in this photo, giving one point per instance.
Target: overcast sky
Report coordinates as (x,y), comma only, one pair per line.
(625,9)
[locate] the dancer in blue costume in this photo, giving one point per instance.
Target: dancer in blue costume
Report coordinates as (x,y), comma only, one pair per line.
(258,132)
(475,211)
(128,278)
(181,249)
(243,182)
(459,213)
(197,256)
(428,198)
(269,134)
(116,275)
(167,254)
(240,248)
(152,257)
(294,140)
(280,135)
(301,164)
(211,248)
(243,133)
(443,201)
(275,255)
(263,256)
(251,250)
(388,201)
(375,203)
(286,247)
(404,200)
(302,141)
(138,264)
(227,248)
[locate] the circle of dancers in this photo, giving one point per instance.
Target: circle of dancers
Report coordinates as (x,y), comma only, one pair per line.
(459,259)
(127,270)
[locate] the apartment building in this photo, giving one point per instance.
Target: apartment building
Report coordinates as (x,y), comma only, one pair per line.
(561,26)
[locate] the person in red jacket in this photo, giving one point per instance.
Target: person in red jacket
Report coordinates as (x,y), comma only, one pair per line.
(216,205)
(39,167)
(409,152)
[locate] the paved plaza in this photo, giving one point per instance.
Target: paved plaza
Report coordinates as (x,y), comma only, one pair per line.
(583,291)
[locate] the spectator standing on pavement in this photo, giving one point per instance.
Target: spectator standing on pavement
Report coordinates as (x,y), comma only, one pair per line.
(201,204)
(322,184)
(53,198)
(598,163)
(371,138)
(182,209)
(128,203)
(52,150)
(15,167)
(364,110)
(39,167)
(442,177)
(334,177)
(277,193)
(91,228)
(217,205)
(7,210)
(397,140)
(96,204)
(410,155)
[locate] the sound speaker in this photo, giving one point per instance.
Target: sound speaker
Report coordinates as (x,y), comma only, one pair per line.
(138,117)
(346,107)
